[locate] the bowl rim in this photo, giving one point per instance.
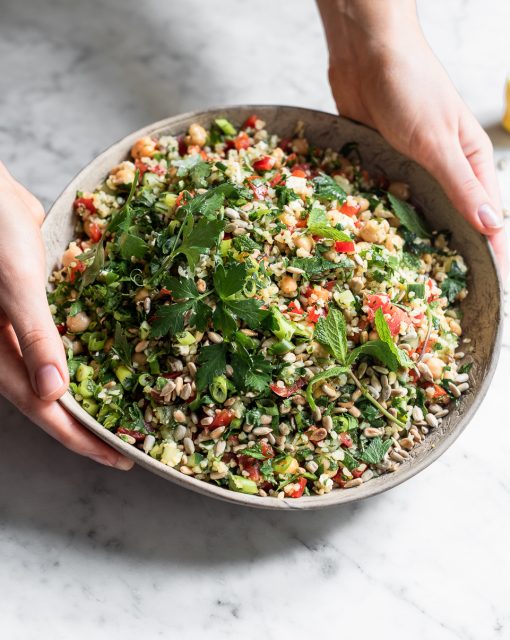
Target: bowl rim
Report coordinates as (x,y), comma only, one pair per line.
(333,498)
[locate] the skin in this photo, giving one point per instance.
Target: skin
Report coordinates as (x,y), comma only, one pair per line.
(382,73)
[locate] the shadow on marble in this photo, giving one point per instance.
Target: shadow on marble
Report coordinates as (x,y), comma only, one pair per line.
(499,137)
(72,501)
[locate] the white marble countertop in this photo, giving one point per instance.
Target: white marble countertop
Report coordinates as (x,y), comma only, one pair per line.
(90,552)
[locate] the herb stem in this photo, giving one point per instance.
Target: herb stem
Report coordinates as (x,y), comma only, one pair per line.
(427,337)
(379,406)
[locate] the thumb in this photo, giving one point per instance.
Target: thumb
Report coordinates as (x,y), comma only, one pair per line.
(455,174)
(27,309)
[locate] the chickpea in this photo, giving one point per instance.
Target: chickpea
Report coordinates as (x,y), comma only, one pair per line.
(288,286)
(374,231)
(320,293)
(197,134)
(436,367)
(78,323)
(139,358)
(334,216)
(278,156)
(364,204)
(400,190)
(70,254)
(141,294)
(144,148)
(123,173)
(300,146)
(288,219)
(303,242)
(455,327)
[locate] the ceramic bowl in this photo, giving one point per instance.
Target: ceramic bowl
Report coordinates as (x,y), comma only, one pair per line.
(324,130)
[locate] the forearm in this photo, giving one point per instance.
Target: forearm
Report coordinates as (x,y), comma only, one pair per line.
(359,29)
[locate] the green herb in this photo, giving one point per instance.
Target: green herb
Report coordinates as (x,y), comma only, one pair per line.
(408,216)
(199,239)
(376,451)
(319,225)
(466,368)
(454,283)
(254,452)
(226,127)
(121,347)
(327,188)
(333,372)
(170,319)
(229,281)
(331,332)
(385,335)
(245,244)
(213,361)
(313,266)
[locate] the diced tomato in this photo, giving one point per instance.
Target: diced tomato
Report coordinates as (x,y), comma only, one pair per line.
(397,317)
(161,171)
(314,314)
(222,418)
(137,435)
(242,141)
(164,292)
(344,247)
(259,190)
(357,473)
(330,285)
(439,392)
(276,179)
(286,392)
(376,301)
(250,465)
(294,307)
(285,143)
(413,375)
(339,478)
(349,209)
(62,328)
(298,173)
(170,376)
(183,149)
(78,268)
(291,158)
(227,236)
(345,439)
(84,203)
(301,223)
(181,199)
(297,493)
(303,168)
(249,123)
(141,166)
(266,449)
(94,232)
(266,163)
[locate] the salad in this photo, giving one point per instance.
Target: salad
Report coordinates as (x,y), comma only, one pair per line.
(260,313)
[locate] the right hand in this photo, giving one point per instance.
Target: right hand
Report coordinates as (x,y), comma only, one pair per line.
(33,368)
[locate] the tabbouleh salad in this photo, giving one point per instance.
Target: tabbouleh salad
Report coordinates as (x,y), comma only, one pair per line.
(260,313)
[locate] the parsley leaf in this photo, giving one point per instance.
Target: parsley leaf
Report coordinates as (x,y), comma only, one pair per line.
(252,372)
(131,245)
(121,346)
(181,288)
(408,216)
(213,361)
(198,239)
(170,318)
(223,320)
(376,451)
(248,311)
(229,281)
(454,283)
(331,332)
(327,188)
(93,270)
(319,225)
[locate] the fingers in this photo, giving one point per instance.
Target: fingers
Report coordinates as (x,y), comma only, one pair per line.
(50,416)
(453,171)
(23,297)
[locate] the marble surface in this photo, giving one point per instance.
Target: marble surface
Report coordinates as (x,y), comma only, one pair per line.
(90,552)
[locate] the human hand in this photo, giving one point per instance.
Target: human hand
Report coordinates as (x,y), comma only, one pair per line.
(384,74)
(33,369)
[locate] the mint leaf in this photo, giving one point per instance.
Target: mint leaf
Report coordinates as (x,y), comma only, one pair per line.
(376,451)
(319,225)
(313,266)
(213,361)
(385,335)
(185,165)
(229,281)
(376,349)
(408,216)
(327,188)
(245,243)
(331,332)
(334,372)
(170,319)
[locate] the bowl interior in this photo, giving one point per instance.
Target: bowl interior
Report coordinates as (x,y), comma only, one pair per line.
(324,130)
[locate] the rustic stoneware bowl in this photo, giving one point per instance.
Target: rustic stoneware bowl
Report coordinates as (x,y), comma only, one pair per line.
(325,130)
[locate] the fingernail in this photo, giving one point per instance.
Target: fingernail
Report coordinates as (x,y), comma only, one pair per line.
(48,380)
(120,463)
(489,217)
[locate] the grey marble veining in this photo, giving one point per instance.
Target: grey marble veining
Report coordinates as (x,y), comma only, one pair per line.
(90,552)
